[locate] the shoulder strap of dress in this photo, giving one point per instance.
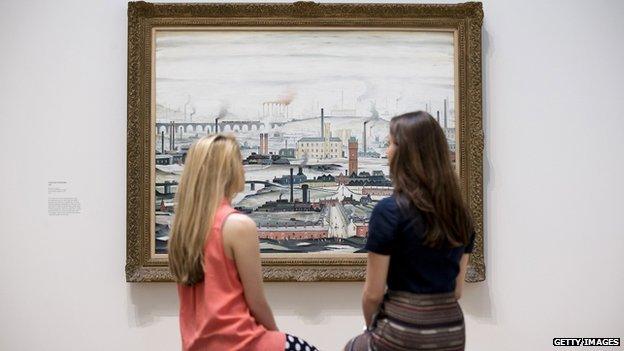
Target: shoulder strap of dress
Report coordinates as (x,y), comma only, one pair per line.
(224,211)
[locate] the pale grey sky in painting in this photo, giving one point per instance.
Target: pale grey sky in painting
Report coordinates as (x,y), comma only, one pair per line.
(398,71)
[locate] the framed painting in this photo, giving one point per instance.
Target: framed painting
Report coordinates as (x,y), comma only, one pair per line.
(309,90)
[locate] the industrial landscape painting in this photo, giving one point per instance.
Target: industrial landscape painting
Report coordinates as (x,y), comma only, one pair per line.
(311,111)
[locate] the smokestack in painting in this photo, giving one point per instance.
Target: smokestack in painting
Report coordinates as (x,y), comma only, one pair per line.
(300,171)
(173,131)
(162,142)
(304,190)
(170,135)
(266,143)
(438,116)
(364,138)
(292,180)
(445,114)
(322,125)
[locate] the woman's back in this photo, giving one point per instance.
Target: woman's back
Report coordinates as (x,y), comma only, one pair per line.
(414,267)
(215,257)
(418,245)
(213,313)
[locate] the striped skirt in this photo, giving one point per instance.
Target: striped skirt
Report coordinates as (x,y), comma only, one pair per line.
(408,321)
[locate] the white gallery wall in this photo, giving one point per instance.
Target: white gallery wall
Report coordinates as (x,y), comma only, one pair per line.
(554,186)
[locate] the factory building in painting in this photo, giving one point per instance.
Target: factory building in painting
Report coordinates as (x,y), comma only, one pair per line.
(317,147)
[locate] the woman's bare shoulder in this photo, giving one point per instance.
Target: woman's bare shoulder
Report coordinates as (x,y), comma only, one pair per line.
(239,224)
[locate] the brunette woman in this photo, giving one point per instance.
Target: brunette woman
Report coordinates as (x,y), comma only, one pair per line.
(419,241)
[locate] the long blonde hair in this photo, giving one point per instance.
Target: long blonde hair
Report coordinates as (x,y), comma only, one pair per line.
(213,171)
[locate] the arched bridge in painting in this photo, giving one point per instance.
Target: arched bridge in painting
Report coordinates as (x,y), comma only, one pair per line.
(209,127)
(169,192)
(169,184)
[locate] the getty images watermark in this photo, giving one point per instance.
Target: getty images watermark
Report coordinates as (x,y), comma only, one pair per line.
(586,341)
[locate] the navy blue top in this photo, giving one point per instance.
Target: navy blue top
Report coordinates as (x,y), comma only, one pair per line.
(413,267)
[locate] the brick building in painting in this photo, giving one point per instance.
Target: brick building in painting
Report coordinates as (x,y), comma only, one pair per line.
(290,233)
(377,190)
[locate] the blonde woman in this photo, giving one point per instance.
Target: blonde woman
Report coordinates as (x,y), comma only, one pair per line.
(214,256)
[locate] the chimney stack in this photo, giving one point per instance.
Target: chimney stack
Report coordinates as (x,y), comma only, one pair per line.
(263,149)
(173,132)
(364,138)
(304,190)
(162,142)
(322,125)
(438,116)
(291,185)
(170,135)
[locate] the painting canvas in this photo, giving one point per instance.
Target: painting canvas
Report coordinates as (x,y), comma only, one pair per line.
(309,91)
(310,110)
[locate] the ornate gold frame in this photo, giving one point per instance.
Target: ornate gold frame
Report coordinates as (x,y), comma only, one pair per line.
(463,19)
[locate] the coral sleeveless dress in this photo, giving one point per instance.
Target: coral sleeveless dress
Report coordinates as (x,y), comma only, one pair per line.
(214,314)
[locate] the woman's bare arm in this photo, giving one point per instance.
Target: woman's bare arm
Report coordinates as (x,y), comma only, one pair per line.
(240,241)
(375,286)
(459,281)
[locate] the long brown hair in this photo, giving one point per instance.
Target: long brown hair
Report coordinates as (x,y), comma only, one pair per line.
(213,171)
(424,179)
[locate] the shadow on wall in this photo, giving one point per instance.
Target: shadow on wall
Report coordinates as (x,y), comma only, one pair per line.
(477,302)
(150,301)
(310,302)
(314,302)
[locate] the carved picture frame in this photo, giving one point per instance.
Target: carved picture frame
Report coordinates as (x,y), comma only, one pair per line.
(464,20)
